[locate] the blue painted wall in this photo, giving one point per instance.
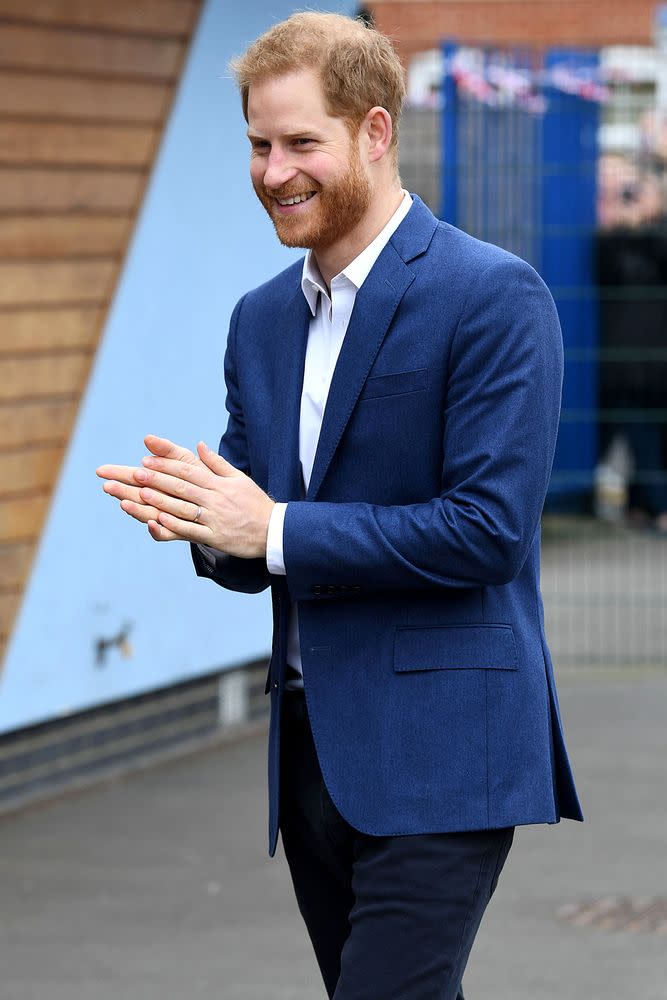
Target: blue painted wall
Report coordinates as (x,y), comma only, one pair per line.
(202,239)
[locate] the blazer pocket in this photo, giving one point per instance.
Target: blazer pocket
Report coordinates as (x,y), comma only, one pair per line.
(455,647)
(395,384)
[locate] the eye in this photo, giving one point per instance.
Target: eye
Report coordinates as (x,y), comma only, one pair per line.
(302,141)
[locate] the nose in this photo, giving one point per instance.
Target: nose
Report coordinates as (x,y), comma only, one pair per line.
(279,170)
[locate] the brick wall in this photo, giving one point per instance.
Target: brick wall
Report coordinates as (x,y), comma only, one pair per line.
(417,25)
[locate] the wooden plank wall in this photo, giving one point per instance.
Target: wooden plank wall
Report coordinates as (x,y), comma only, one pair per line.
(85,89)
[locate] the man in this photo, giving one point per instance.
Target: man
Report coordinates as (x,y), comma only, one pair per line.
(393,407)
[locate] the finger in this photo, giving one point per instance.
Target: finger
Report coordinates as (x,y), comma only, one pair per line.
(161,534)
(121,473)
(216,463)
(187,530)
(139,511)
(170,505)
(197,473)
(173,486)
(164,448)
(122,492)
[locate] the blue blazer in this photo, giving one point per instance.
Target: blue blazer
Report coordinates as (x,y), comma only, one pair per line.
(414,556)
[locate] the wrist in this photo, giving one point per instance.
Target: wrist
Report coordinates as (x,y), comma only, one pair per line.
(264,530)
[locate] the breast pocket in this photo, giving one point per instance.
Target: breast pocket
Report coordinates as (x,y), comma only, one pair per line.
(395,384)
(455,647)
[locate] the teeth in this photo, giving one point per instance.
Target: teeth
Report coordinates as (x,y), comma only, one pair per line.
(296,200)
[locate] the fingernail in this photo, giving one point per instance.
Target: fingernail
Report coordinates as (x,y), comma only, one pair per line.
(146,494)
(141,476)
(147,460)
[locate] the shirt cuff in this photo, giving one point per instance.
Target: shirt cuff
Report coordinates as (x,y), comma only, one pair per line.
(274,541)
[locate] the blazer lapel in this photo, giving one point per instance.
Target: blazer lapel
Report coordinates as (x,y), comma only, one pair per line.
(374,308)
(291,331)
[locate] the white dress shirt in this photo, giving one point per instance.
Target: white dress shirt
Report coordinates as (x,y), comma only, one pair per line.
(331,314)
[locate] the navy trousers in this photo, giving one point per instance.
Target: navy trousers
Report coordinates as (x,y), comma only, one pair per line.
(390,918)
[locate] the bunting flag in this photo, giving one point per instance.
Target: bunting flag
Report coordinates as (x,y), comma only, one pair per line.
(497,85)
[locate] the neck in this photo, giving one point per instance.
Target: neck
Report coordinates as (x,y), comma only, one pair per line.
(331,260)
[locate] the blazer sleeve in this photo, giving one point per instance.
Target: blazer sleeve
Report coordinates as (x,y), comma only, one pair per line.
(502,407)
(249,576)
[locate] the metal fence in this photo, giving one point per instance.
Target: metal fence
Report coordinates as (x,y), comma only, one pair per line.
(561,156)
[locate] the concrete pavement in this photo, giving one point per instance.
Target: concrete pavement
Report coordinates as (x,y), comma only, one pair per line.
(157,887)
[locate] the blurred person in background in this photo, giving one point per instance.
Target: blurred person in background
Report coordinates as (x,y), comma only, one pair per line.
(653,139)
(393,405)
(628,196)
(632,275)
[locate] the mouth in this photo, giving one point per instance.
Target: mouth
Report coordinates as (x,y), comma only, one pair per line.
(293,203)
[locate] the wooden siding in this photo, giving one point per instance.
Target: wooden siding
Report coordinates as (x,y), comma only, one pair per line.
(85,90)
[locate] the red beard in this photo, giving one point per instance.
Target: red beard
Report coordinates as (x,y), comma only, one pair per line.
(331,214)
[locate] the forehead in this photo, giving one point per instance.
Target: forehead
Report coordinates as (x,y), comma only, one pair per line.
(293,102)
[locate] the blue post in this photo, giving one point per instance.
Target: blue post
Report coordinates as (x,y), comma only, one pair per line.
(449,139)
(569,154)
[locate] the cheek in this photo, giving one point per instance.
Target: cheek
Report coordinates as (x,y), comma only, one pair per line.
(319,165)
(257,171)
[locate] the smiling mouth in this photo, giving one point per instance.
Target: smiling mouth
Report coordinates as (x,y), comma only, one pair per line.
(296,199)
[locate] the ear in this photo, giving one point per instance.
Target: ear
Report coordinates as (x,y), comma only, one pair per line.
(378,130)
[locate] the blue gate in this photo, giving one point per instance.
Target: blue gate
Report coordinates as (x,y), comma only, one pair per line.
(519,159)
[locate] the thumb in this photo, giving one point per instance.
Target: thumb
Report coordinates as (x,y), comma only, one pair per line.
(216,463)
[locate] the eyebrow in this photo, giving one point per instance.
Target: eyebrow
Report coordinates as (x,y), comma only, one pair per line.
(299,134)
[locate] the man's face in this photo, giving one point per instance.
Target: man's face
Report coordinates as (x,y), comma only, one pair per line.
(300,151)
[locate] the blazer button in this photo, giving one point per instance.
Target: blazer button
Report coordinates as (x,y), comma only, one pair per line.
(331,589)
(317,590)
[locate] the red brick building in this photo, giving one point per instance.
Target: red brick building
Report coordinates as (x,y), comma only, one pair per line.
(417,25)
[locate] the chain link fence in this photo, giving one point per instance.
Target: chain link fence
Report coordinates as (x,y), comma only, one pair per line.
(561,157)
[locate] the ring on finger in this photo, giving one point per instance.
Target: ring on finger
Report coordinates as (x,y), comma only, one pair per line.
(197,515)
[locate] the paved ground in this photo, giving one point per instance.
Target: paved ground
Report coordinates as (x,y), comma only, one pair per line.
(157,887)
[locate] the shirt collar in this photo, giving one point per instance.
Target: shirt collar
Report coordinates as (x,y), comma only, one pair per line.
(358,269)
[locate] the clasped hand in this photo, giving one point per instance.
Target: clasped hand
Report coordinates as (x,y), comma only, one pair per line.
(182,496)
